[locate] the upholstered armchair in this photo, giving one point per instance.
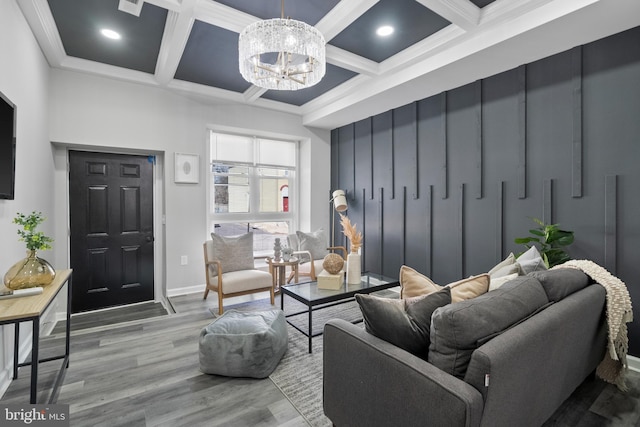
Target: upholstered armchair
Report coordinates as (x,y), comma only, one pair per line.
(311,248)
(230,270)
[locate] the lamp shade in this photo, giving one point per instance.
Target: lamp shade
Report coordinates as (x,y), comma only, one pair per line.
(339,200)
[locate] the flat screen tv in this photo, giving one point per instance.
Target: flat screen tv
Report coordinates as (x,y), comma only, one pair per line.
(7,148)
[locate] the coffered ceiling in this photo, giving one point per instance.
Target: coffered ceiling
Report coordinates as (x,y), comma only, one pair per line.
(191,46)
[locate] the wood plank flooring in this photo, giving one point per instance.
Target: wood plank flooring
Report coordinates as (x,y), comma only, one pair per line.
(145,373)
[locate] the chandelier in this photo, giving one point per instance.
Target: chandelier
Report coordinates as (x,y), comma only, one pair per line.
(282,54)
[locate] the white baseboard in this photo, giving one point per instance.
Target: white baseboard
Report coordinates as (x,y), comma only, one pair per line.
(186,290)
(634,363)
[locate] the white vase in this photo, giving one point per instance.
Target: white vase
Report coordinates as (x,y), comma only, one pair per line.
(354,272)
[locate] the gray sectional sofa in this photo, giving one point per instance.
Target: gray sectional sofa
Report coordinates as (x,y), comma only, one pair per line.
(509,357)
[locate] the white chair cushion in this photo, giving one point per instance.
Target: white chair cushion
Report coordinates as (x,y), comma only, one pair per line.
(244,280)
(306,267)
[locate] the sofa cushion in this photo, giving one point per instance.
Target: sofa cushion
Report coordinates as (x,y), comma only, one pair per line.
(458,329)
(235,253)
(413,283)
(531,261)
(561,282)
(405,323)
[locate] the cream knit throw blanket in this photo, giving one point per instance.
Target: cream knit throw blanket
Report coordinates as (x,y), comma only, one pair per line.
(614,365)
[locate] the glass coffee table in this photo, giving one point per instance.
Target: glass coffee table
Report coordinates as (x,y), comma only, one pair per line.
(317,299)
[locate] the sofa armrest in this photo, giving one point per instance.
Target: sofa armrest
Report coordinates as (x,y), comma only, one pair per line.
(368,382)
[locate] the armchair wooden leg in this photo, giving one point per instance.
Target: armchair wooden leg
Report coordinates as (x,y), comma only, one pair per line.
(293,273)
(206,293)
(220,307)
(272,295)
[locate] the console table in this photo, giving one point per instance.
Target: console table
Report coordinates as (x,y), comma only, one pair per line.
(31,309)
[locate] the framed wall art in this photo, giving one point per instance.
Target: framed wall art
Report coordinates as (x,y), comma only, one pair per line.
(187,168)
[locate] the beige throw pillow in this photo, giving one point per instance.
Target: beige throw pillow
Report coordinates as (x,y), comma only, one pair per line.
(414,284)
(469,288)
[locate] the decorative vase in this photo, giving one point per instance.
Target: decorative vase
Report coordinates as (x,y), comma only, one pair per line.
(277,250)
(354,273)
(29,273)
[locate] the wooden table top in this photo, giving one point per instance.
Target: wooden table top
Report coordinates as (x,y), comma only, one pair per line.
(34,305)
(282,262)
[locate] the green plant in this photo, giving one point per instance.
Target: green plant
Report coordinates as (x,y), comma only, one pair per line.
(35,240)
(551,241)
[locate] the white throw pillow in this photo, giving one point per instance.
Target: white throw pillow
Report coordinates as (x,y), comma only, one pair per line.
(496,282)
(315,243)
(531,261)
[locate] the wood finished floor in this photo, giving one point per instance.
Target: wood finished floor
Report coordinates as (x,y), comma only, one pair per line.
(121,375)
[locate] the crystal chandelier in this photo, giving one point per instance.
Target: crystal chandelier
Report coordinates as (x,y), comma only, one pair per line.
(282,54)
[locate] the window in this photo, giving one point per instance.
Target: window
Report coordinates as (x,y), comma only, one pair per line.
(252,185)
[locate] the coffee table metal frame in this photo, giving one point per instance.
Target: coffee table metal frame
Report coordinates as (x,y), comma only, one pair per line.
(316,299)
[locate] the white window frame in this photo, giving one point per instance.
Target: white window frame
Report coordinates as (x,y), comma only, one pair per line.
(254,215)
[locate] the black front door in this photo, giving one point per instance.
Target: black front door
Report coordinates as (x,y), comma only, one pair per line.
(111,216)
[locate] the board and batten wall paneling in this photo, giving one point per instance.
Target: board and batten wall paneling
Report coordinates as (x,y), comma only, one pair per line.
(478,182)
(610,222)
(346,153)
(363,157)
(405,148)
(418,243)
(371,234)
(522,131)
(382,149)
(576,163)
(442,142)
(556,139)
(500,222)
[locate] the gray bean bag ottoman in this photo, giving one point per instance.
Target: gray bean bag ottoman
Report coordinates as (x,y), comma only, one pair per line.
(244,344)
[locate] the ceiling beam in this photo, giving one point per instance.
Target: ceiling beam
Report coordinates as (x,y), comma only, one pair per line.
(462,13)
(350,61)
(341,16)
(174,39)
(223,16)
(253,93)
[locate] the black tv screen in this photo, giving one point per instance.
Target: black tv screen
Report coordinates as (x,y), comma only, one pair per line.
(7,148)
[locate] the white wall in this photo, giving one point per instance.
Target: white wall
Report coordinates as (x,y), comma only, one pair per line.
(87,112)
(93,112)
(24,79)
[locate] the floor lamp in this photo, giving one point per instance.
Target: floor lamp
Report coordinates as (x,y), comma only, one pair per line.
(339,201)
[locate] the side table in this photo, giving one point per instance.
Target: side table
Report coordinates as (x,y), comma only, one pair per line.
(278,270)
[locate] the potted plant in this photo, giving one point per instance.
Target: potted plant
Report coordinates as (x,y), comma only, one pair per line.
(551,241)
(31,271)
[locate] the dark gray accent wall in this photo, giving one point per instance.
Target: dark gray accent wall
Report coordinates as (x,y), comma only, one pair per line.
(446,183)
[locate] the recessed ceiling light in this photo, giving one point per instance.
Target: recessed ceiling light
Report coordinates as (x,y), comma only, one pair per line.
(385,30)
(110,34)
